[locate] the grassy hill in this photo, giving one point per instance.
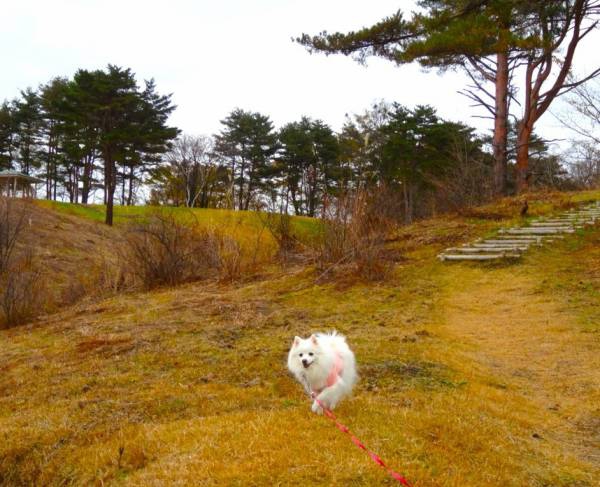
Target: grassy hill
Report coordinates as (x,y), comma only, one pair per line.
(234,221)
(470,374)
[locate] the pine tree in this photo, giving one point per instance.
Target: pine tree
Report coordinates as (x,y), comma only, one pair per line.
(489,40)
(27,122)
(558,27)
(55,154)
(130,125)
(474,36)
(246,145)
(413,155)
(80,142)
(308,164)
(7,136)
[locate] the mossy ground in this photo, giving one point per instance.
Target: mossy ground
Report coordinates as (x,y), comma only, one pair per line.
(470,375)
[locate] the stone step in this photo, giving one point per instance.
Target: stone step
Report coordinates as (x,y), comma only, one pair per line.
(586,217)
(561,222)
(482,250)
(568,217)
(483,245)
(574,223)
(495,256)
(592,214)
(570,228)
(520,238)
(552,224)
(502,243)
(493,241)
(536,231)
(511,242)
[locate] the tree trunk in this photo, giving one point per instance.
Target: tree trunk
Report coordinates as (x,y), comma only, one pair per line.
(232,186)
(48,181)
(295,203)
(109,185)
(499,141)
(241,185)
(76,184)
(70,185)
(130,189)
(48,173)
(87,176)
(248,195)
(123,177)
(409,195)
(523,136)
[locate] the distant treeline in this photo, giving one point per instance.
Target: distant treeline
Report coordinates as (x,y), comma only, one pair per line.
(424,164)
(99,131)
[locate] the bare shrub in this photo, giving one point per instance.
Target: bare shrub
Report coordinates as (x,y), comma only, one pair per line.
(279,226)
(163,251)
(75,290)
(22,295)
(584,165)
(12,223)
(229,258)
(353,232)
(111,275)
(467,183)
(21,283)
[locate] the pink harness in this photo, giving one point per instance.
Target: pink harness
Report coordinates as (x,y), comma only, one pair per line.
(335,372)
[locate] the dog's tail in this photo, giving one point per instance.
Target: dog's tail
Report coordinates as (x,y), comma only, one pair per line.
(333,334)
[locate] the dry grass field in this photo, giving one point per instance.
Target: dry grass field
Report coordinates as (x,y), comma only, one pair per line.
(470,374)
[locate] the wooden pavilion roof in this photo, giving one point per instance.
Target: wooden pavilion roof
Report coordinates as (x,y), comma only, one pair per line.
(19,176)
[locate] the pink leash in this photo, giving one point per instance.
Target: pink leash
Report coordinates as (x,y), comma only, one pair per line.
(376,458)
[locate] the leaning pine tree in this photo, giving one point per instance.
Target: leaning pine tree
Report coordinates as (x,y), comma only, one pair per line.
(489,40)
(556,29)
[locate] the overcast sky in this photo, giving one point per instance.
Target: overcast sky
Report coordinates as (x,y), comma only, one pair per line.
(217,55)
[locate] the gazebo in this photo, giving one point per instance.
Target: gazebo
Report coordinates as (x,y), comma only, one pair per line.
(16,184)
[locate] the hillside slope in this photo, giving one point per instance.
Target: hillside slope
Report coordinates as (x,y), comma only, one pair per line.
(470,375)
(70,251)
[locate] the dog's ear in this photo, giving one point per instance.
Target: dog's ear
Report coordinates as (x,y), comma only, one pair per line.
(314,340)
(296,341)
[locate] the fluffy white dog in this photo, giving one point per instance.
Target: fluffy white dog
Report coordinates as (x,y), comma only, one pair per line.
(325,366)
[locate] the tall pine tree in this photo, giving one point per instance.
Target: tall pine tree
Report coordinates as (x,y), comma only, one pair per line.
(489,39)
(130,124)
(7,136)
(246,145)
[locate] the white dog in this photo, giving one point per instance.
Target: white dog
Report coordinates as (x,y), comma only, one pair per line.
(326,366)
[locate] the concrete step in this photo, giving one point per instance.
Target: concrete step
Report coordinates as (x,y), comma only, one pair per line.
(500,247)
(522,238)
(536,231)
(579,214)
(563,222)
(553,225)
(482,250)
(495,256)
(510,241)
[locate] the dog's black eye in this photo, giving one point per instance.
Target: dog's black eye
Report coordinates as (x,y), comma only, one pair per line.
(301,355)
(311,354)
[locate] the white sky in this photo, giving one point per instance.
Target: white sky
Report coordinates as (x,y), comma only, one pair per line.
(218,55)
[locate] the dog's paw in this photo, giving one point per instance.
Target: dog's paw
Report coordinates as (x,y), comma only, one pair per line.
(316,408)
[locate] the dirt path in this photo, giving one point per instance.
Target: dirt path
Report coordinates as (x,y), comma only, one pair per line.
(529,341)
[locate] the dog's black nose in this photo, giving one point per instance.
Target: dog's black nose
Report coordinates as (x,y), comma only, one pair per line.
(305,362)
